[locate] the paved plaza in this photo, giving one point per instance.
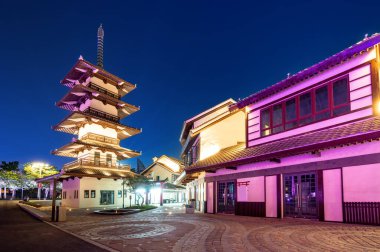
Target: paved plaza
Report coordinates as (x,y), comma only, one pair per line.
(170,229)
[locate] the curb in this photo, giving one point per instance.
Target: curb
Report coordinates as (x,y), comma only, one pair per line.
(82,238)
(34,212)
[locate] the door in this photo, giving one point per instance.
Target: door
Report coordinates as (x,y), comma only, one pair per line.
(300,199)
(226,197)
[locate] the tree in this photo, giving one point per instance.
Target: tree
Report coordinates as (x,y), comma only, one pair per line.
(39,170)
(9,166)
(8,179)
(24,181)
(138,185)
(8,175)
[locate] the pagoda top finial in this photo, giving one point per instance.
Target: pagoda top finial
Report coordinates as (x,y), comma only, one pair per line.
(100,46)
(101,31)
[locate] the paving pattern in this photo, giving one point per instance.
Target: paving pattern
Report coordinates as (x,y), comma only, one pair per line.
(170,229)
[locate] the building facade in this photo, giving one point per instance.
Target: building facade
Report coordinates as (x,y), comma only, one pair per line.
(311,146)
(203,136)
(94,178)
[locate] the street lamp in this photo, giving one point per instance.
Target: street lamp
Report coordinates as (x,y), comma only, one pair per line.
(39,166)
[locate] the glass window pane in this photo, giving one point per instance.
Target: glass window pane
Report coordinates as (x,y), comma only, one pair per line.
(340,92)
(323,115)
(305,104)
(265,119)
(290,125)
(106,197)
(277,114)
(341,110)
(290,108)
(305,120)
(278,129)
(321,98)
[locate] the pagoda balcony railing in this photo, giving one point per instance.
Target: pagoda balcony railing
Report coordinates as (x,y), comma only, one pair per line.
(102,114)
(94,162)
(103,90)
(100,138)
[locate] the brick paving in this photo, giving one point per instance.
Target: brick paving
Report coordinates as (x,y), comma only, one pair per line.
(170,229)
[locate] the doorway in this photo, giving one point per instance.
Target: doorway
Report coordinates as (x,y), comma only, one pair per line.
(226,197)
(300,199)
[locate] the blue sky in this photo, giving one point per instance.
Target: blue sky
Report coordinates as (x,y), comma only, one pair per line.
(185,57)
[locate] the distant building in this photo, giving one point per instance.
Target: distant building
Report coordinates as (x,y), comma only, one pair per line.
(140,166)
(94,178)
(166,170)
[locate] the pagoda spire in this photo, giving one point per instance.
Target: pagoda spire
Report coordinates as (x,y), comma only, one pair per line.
(100,46)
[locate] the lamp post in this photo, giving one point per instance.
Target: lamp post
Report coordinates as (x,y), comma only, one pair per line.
(39,166)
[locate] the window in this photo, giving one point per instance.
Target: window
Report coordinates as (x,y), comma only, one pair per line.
(97,158)
(157,178)
(277,118)
(265,122)
(174,177)
(93,194)
(305,109)
(64,195)
(106,197)
(76,194)
(324,102)
(109,160)
(125,193)
(86,194)
(290,114)
(119,193)
(193,154)
(341,98)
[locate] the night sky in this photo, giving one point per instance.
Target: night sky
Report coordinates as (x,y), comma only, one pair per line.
(185,56)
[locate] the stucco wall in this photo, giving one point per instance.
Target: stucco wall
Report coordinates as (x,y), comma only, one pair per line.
(332,195)
(96,129)
(253,192)
(222,134)
(210,197)
(361,183)
(158,170)
(271,196)
(106,85)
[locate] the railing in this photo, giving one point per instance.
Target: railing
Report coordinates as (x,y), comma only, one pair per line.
(100,138)
(362,212)
(102,114)
(95,162)
(103,90)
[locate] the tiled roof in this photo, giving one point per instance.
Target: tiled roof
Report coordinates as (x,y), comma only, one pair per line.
(364,130)
(338,58)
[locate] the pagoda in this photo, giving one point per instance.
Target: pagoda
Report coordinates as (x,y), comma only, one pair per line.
(96,108)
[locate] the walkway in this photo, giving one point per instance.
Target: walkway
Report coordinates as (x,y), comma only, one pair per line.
(20,232)
(168,228)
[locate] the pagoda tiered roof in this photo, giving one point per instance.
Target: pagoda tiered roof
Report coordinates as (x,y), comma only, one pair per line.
(72,149)
(83,70)
(75,120)
(79,94)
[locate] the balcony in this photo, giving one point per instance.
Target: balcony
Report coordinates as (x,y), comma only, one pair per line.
(102,114)
(100,138)
(91,161)
(103,90)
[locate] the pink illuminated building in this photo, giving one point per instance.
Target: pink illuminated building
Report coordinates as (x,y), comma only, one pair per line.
(310,148)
